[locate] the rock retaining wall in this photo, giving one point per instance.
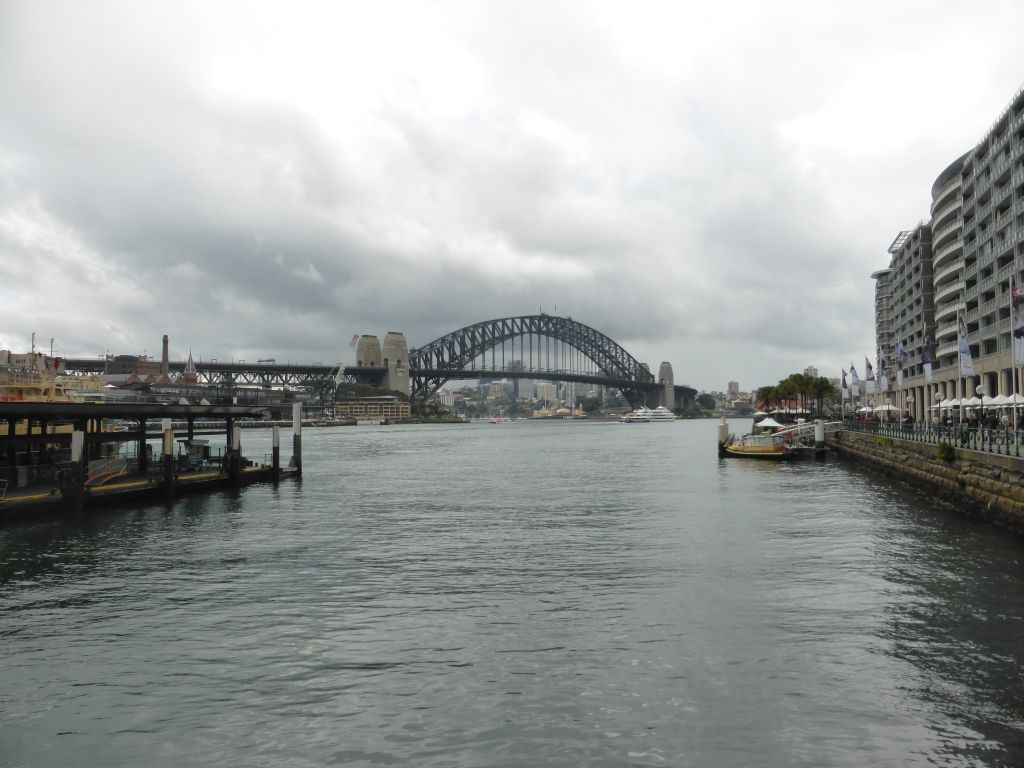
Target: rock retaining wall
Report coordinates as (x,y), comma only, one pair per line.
(984,484)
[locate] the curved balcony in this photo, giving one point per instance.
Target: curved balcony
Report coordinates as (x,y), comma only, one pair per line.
(949,187)
(946,313)
(947,291)
(941,235)
(941,255)
(941,215)
(948,326)
(949,272)
(945,350)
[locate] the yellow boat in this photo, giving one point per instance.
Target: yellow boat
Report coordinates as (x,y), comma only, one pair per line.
(756,447)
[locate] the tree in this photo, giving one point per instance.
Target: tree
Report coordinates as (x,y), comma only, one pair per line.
(591,405)
(706,401)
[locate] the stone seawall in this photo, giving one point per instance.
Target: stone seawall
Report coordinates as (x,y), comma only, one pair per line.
(983,484)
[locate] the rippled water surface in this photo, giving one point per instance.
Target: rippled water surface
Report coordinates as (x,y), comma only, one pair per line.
(570,593)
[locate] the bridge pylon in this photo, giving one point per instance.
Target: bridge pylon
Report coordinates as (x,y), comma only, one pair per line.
(667,392)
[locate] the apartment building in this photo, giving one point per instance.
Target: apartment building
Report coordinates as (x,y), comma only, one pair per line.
(959,264)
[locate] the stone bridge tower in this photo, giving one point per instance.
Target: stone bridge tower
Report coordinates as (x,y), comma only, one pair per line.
(667,395)
(368,352)
(396,362)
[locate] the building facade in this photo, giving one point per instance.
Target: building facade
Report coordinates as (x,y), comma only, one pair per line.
(958,267)
(382,407)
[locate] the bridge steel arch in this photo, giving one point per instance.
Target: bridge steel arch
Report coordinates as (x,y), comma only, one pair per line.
(446,358)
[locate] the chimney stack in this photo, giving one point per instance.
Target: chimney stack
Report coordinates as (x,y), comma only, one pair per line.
(165,366)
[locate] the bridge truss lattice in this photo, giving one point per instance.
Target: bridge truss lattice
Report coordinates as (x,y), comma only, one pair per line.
(545,346)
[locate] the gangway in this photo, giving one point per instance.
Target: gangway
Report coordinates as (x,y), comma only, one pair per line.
(807,429)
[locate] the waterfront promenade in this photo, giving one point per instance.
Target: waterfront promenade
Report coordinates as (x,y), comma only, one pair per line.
(997,441)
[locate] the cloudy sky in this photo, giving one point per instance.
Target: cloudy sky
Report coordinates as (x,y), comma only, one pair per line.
(709,184)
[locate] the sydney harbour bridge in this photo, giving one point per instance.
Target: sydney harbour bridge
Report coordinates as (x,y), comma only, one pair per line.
(539,347)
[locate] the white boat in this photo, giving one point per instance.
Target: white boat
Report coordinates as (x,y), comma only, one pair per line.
(661,413)
(640,416)
(645,415)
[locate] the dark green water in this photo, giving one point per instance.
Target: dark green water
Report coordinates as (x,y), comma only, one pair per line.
(517,595)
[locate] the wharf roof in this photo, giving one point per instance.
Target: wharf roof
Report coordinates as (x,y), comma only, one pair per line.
(21,409)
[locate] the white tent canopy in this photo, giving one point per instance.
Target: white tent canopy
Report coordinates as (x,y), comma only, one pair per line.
(768,423)
(886,407)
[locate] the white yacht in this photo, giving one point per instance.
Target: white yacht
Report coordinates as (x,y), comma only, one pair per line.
(645,415)
(661,413)
(640,416)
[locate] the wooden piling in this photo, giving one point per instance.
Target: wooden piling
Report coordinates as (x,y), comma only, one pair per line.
(276,455)
(168,462)
(74,480)
(235,461)
(297,438)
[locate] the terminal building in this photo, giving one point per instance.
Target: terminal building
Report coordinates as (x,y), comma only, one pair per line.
(959,265)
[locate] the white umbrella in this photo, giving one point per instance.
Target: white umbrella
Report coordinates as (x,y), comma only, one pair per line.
(865,409)
(769,423)
(759,413)
(886,407)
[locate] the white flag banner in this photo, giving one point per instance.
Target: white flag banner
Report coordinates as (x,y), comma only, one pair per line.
(927,357)
(964,344)
(846,389)
(869,378)
(854,383)
(1017,323)
(883,373)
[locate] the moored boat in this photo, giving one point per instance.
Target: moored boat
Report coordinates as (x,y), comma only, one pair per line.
(772,447)
(661,413)
(640,416)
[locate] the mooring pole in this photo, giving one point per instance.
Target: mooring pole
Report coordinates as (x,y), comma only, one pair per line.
(168,459)
(71,492)
(276,460)
(236,455)
(297,438)
(12,454)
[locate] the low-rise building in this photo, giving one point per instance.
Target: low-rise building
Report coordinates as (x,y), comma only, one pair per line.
(378,407)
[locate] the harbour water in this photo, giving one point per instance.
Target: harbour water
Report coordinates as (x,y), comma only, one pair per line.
(535,593)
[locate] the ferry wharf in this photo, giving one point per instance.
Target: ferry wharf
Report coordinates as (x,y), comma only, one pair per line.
(66,456)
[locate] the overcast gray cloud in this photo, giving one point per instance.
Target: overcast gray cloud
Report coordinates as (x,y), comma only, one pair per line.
(710,186)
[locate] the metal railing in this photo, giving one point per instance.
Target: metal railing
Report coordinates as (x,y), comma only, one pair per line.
(1003,441)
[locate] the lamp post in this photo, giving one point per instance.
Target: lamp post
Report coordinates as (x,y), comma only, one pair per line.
(938,410)
(910,408)
(888,401)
